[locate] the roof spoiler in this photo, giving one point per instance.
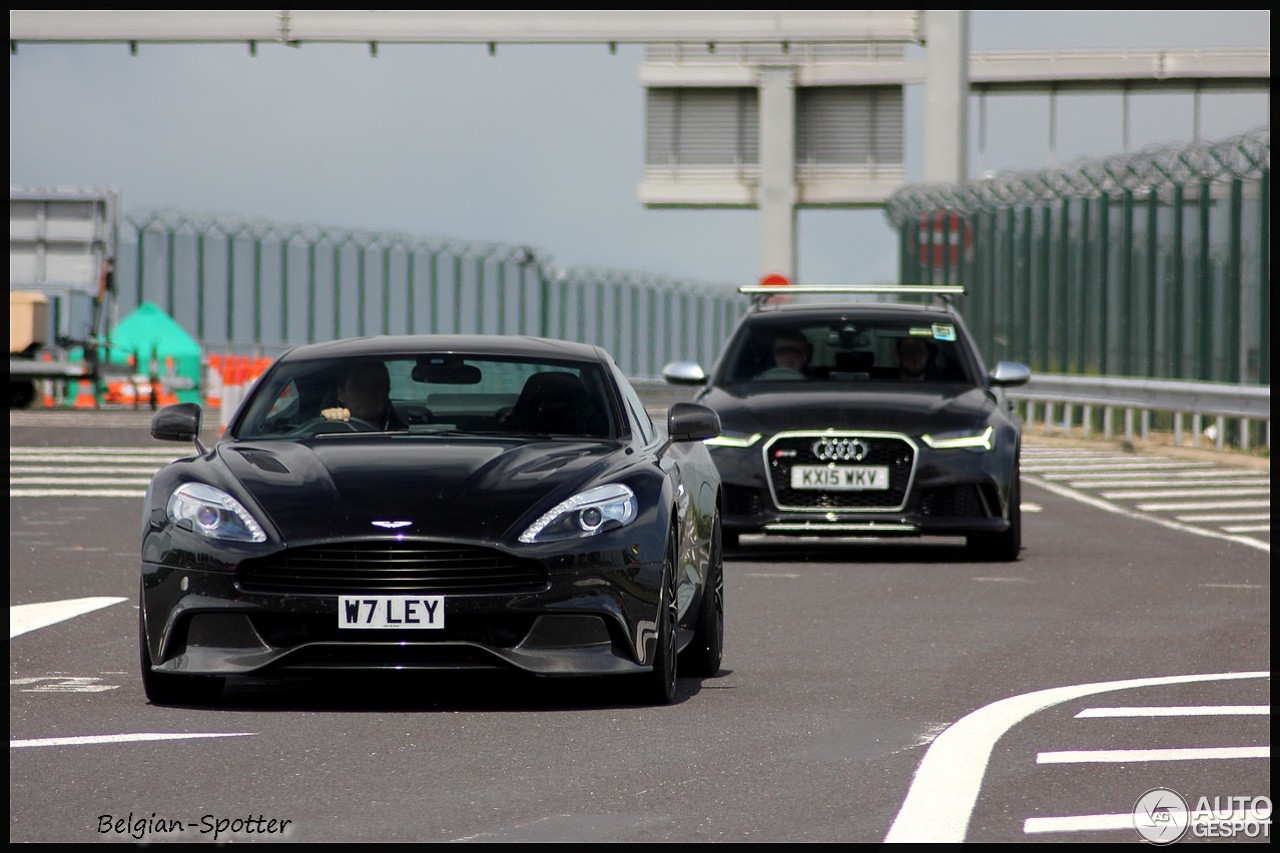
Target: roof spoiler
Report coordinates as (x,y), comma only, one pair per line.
(760,293)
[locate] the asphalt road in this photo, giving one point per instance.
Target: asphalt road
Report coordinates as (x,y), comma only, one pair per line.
(845,662)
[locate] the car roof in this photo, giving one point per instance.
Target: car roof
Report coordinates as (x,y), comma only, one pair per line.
(397,345)
(869,310)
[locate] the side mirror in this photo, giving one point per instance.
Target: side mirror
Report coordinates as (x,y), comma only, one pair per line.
(684,373)
(1010,373)
(691,422)
(179,422)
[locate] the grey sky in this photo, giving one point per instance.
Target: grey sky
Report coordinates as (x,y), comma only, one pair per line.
(537,145)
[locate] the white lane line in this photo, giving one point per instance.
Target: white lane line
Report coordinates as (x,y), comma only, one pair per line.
(1117,466)
(1130,756)
(72,478)
(1185,493)
(1247,528)
(1182,507)
(90,740)
(945,787)
(96,469)
(77,493)
(1235,516)
(1078,823)
(1186,486)
(1231,585)
(770,575)
(1166,475)
(1003,580)
(97,451)
(1105,822)
(1177,711)
(1153,519)
(24,618)
(1028,506)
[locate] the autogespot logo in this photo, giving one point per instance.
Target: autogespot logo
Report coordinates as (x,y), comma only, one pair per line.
(1161,816)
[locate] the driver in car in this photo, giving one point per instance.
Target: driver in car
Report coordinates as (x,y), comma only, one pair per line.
(363,396)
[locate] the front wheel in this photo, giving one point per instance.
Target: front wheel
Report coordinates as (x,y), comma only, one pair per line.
(704,655)
(659,686)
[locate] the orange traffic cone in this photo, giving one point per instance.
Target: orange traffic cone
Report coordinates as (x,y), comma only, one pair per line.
(86,397)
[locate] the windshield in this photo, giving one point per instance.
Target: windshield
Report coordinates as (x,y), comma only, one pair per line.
(431,394)
(850,352)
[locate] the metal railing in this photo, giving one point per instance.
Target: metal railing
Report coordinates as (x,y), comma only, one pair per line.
(1238,415)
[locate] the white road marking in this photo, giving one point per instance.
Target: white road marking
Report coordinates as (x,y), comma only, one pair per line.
(1231,585)
(90,740)
(61,684)
(945,787)
(1130,756)
(1105,822)
(1116,466)
(98,451)
(1028,506)
(77,493)
(1191,476)
(1185,493)
(67,469)
(771,575)
(24,618)
(1177,711)
(1003,580)
(1188,487)
(1179,507)
(1247,528)
(1163,522)
(72,477)
(1237,516)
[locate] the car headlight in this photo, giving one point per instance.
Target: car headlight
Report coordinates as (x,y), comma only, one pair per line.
(970,439)
(585,514)
(213,513)
(733,439)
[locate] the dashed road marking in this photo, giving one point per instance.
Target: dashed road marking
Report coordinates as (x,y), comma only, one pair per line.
(1177,711)
(1133,756)
(24,618)
(91,740)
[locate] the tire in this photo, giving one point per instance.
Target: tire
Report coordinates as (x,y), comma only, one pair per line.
(704,654)
(165,689)
(659,686)
(21,393)
(1003,547)
(728,539)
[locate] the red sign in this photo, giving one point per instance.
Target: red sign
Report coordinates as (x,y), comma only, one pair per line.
(774,279)
(941,235)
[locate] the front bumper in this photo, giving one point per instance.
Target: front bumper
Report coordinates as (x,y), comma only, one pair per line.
(944,493)
(593,615)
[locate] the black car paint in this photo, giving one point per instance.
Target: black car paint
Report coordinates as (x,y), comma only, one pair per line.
(901,408)
(481,491)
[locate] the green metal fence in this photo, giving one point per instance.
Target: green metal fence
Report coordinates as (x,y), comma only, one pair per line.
(1155,264)
(245,285)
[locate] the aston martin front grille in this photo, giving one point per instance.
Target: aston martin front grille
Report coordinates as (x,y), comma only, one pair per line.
(393,566)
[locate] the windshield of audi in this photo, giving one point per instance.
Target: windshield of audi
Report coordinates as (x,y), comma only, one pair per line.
(780,353)
(431,394)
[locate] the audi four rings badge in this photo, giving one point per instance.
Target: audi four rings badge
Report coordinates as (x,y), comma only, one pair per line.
(841,449)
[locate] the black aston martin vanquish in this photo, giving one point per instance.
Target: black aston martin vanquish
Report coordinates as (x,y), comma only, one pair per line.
(434,502)
(863,419)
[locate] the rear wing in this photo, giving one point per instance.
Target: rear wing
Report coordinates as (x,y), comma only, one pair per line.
(760,294)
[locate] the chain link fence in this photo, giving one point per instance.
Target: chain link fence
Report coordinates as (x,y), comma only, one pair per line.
(254,286)
(1154,264)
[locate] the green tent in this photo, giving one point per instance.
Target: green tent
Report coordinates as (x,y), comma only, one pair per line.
(147,332)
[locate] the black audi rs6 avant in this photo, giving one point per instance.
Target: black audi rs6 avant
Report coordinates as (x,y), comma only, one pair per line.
(863,419)
(434,502)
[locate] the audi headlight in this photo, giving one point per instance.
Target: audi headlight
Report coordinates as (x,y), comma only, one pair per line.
(585,514)
(968,439)
(214,513)
(733,439)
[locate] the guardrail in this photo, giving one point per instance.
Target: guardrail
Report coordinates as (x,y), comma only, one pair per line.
(1065,404)
(1088,405)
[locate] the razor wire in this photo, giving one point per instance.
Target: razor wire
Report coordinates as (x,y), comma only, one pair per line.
(1244,157)
(242,283)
